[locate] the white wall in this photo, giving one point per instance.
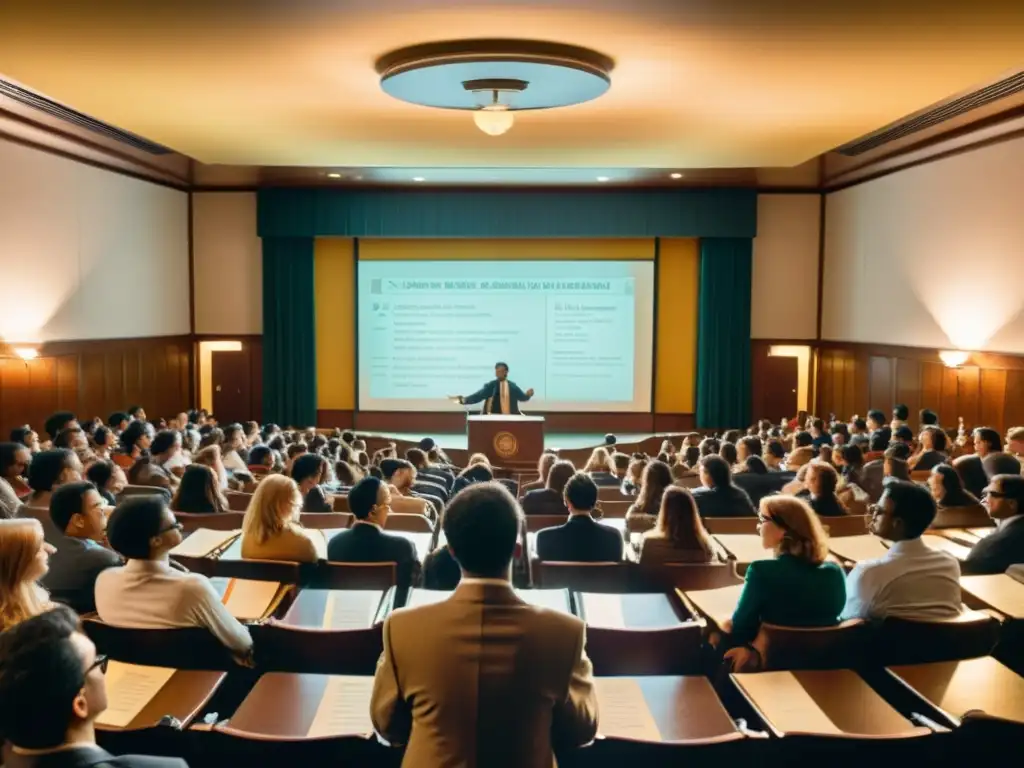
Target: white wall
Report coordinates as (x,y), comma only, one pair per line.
(227,263)
(932,256)
(86,253)
(784,301)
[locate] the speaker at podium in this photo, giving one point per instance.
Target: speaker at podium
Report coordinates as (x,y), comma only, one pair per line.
(506,440)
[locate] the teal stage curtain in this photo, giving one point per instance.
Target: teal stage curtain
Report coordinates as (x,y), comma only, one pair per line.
(289,332)
(723,333)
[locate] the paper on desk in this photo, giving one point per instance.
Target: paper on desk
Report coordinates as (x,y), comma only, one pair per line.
(622,710)
(942,544)
(553,599)
(344,709)
(350,610)
(604,611)
(129,689)
(203,541)
(249,600)
(858,548)
(717,604)
(785,703)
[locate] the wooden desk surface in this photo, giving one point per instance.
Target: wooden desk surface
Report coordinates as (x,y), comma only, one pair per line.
(959,535)
(183,697)
(997,591)
(334,609)
(682,707)
(744,548)
(281,704)
(945,544)
(717,605)
(981,533)
(637,611)
(829,702)
(958,687)
(858,548)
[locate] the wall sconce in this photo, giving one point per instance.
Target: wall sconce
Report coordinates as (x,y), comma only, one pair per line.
(24,353)
(953,358)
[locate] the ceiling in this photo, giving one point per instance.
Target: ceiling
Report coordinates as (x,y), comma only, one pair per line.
(697,83)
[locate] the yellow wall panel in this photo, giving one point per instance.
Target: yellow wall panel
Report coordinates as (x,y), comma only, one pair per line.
(676,321)
(335,296)
(506,250)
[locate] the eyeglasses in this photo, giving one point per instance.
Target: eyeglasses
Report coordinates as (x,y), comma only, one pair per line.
(100,663)
(175,526)
(762,518)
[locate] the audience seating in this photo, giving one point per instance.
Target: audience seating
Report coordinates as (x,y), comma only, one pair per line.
(850,525)
(534,523)
(143,490)
(341,504)
(282,648)
(613,508)
(223,521)
(585,577)
(685,576)
(904,641)
(326,520)
(257,570)
(729,525)
(237,501)
(191,648)
(355,575)
(411,523)
(812,647)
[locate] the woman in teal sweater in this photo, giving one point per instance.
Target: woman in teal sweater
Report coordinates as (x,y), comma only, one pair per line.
(796,589)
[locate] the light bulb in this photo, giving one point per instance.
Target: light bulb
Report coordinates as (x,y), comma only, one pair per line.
(494,119)
(26,353)
(953,358)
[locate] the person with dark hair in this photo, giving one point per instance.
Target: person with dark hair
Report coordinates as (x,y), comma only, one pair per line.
(679,535)
(971,470)
(774,455)
(199,493)
(819,434)
(118,421)
(366,541)
(135,442)
(1003,497)
(932,450)
(911,581)
(148,592)
(957,508)
(903,434)
(803,451)
(347,475)
(309,471)
(849,462)
(719,496)
(59,421)
(109,480)
(928,418)
(550,499)
(104,442)
(822,480)
(876,420)
(233,448)
(986,441)
(27,437)
(434,649)
(900,414)
(136,413)
(582,539)
(48,471)
(407,500)
(895,465)
(1000,463)
(52,689)
(14,462)
(840,435)
(499,395)
(79,513)
(153,470)
(857,426)
(643,513)
(728,452)
(261,460)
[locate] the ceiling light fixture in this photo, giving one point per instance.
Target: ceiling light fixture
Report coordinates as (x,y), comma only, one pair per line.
(333,175)
(494,78)
(953,358)
(602,178)
(418,178)
(677,175)
(26,353)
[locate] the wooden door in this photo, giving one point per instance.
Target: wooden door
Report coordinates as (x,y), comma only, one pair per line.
(232,386)
(775,382)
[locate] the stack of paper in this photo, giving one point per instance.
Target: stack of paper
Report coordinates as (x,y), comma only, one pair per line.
(344,708)
(249,600)
(129,689)
(203,542)
(624,710)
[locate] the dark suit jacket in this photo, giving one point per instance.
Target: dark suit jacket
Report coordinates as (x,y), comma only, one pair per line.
(316,501)
(581,540)
(90,757)
(929,460)
(723,502)
(490,396)
(366,543)
(483,679)
(544,502)
(758,486)
(826,506)
(997,551)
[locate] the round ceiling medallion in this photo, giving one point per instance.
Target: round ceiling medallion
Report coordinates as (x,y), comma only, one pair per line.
(494,78)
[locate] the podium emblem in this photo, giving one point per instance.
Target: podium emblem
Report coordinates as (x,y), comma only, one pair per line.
(506,445)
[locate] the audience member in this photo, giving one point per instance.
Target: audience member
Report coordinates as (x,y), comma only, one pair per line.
(822,480)
(199,493)
(271,529)
(47,472)
(148,592)
(876,421)
(900,414)
(153,470)
(999,463)
(1003,497)
(971,470)
(601,469)
(59,421)
(679,535)
(14,461)
(986,441)
(581,538)
(729,453)
(928,418)
(137,412)
(210,457)
(849,461)
(233,448)
(79,512)
(26,436)
(719,496)
(550,500)
(634,475)
(895,465)
(798,588)
(432,652)
(309,471)
(932,450)
(748,446)
(544,464)
(135,441)
(803,451)
(819,435)
(644,511)
(52,689)
(840,435)
(957,508)
(24,561)
(774,455)
(104,443)
(911,581)
(261,460)
(474,473)
(1015,442)
(709,446)
(905,435)
(109,480)
(366,541)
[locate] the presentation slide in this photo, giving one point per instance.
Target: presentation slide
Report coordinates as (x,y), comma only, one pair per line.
(579,333)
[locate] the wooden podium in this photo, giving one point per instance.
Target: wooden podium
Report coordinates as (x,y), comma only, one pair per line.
(507,440)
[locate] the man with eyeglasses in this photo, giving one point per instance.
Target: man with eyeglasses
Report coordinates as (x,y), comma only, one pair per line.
(1003,497)
(912,580)
(150,592)
(51,692)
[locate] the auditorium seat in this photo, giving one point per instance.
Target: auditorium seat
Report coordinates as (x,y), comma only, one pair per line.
(238,501)
(904,641)
(411,523)
(536,523)
(836,647)
(850,525)
(685,576)
(218,521)
(184,648)
(613,508)
(584,577)
(281,648)
(354,576)
(730,525)
(257,570)
(341,504)
(326,521)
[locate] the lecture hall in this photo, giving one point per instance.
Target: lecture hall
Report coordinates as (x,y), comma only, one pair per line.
(508,384)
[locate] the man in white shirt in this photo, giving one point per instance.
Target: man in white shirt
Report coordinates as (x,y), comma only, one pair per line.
(151,593)
(912,581)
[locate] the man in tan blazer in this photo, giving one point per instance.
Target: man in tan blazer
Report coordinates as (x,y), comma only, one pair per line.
(483,679)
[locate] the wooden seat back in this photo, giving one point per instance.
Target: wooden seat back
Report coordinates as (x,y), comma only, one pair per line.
(742,525)
(850,525)
(583,577)
(906,641)
(326,520)
(410,523)
(617,508)
(663,651)
(257,570)
(187,648)
(238,501)
(536,523)
(837,647)
(281,648)
(355,576)
(685,576)
(341,504)
(218,521)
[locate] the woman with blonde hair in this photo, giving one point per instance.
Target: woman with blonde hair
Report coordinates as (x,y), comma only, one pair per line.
(601,468)
(544,465)
(271,529)
(478,458)
(24,560)
(798,588)
(679,536)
